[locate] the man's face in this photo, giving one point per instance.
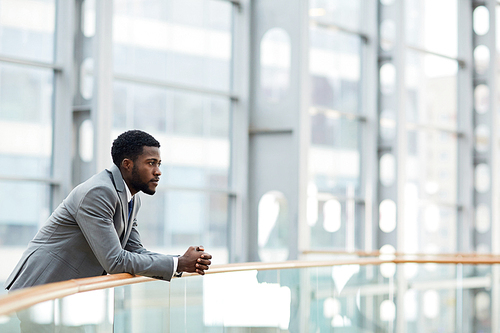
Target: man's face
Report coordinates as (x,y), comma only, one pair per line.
(146,170)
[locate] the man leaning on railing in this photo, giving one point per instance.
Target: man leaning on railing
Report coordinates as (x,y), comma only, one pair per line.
(94,230)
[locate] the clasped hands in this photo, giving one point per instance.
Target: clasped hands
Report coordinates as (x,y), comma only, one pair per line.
(194,260)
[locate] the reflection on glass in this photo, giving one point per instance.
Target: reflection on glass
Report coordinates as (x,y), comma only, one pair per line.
(335,67)
(432,25)
(482,98)
(431,85)
(482,178)
(482,218)
(273,227)
(28,29)
(387,270)
(332,215)
(481,58)
(267,302)
(387,311)
(481,19)
(387,169)
(387,125)
(482,302)
(88,18)
(275,60)
(184,42)
(429,227)
(86,140)
(482,138)
(387,78)
(334,139)
(87,78)
(387,219)
(430,306)
(432,164)
(343,13)
(387,34)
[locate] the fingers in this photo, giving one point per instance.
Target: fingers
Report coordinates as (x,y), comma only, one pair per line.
(200,248)
(204,261)
(206,256)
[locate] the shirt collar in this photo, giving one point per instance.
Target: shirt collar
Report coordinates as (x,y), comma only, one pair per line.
(129,194)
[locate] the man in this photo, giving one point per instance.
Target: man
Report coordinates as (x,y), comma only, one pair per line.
(94,230)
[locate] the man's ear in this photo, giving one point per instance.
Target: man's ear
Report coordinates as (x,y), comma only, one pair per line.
(127,164)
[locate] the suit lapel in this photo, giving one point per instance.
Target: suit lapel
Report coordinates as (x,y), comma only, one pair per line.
(122,194)
(130,222)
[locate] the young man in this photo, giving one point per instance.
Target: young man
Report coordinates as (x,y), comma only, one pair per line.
(94,230)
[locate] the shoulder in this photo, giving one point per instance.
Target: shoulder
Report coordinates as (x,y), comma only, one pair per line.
(98,186)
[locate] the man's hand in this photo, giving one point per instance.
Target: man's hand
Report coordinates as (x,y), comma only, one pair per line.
(194,260)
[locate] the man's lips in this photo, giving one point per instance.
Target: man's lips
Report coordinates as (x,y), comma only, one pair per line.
(155,181)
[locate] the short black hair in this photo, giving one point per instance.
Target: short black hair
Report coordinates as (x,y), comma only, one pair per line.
(129,145)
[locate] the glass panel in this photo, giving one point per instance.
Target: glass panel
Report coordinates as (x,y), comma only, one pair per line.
(432,165)
(335,139)
(24,207)
(429,228)
(274,223)
(27,29)
(275,60)
(144,307)
(431,85)
(335,66)
(193,130)
(343,13)
(25,121)
(338,230)
(432,25)
(183,42)
(84,312)
(170,221)
(345,298)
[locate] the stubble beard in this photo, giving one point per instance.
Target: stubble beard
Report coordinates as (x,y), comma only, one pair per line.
(138,184)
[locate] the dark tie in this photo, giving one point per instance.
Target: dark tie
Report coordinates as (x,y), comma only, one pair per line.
(130,205)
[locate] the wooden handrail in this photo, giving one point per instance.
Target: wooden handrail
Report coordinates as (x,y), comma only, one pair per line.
(378,253)
(21,299)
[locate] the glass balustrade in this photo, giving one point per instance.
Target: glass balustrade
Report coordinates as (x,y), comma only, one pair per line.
(390,297)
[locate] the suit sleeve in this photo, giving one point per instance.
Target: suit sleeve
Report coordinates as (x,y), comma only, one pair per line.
(95,219)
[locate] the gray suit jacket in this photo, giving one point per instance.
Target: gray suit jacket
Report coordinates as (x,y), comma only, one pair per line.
(89,235)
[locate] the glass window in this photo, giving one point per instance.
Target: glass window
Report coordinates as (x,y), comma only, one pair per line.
(183,42)
(431,84)
(432,165)
(334,157)
(343,13)
(24,207)
(335,67)
(25,121)
(193,130)
(173,219)
(432,25)
(27,29)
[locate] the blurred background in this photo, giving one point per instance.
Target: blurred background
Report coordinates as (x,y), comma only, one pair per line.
(286,126)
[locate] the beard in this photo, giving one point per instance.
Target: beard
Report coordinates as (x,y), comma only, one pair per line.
(138,184)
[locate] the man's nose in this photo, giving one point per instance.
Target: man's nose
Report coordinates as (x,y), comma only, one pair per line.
(157,171)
